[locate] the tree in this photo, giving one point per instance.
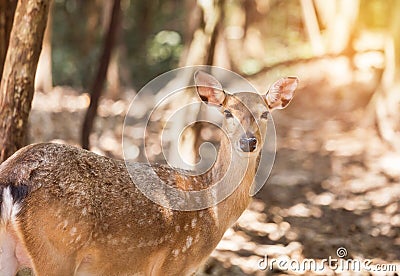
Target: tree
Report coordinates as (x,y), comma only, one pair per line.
(203,35)
(98,82)
(200,48)
(337,16)
(44,78)
(386,99)
(312,28)
(7,9)
(17,83)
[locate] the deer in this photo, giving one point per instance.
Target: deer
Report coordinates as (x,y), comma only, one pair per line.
(68,211)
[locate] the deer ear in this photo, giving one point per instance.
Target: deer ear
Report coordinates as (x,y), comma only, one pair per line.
(281,92)
(209,88)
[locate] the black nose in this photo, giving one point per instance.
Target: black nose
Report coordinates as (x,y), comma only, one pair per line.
(248,144)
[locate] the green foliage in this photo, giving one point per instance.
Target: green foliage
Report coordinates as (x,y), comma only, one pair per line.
(151,33)
(75,49)
(149,43)
(152,36)
(164,47)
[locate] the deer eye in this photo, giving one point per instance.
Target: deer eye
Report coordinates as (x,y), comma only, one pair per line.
(228,114)
(265,115)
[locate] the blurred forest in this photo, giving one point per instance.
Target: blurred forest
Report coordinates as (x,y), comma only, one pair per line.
(335,182)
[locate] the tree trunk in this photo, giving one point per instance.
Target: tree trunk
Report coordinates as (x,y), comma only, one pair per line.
(7,10)
(113,76)
(44,75)
(194,19)
(200,49)
(98,83)
(312,27)
(387,97)
(340,23)
(17,84)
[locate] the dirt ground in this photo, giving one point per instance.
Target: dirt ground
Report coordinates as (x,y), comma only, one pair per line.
(334,183)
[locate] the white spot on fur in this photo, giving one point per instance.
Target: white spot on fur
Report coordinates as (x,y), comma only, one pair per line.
(58,213)
(189,240)
(141,243)
(65,224)
(113,241)
(124,240)
(186,227)
(188,243)
(175,252)
(194,221)
(168,237)
(215,214)
(84,211)
(73,231)
(177,228)
(165,238)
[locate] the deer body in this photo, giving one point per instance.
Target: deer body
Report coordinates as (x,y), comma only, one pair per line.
(67,211)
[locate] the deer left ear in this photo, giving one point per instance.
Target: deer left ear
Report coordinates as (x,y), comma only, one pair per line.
(209,88)
(281,93)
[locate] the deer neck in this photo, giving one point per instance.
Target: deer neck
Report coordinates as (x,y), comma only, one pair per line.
(234,171)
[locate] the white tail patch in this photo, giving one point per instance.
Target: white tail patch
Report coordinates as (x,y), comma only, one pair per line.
(9,209)
(8,259)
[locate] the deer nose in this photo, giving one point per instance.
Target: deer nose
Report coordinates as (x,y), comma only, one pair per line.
(248,144)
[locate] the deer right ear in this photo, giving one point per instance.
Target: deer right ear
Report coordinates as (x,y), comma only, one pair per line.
(281,92)
(209,88)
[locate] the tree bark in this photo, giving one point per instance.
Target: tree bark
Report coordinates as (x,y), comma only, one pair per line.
(387,98)
(17,84)
(194,19)
(101,75)
(199,49)
(312,27)
(44,75)
(340,18)
(7,10)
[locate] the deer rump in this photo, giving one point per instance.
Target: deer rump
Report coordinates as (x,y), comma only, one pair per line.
(12,252)
(58,198)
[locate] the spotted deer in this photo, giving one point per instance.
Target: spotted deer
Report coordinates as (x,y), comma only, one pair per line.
(68,211)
